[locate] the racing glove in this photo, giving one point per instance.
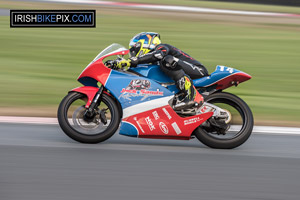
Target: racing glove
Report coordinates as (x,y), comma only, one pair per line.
(123,64)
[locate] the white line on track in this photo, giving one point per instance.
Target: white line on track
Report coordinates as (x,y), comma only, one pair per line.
(28,120)
(175,8)
(47,121)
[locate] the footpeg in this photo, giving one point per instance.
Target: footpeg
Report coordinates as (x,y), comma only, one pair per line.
(183,106)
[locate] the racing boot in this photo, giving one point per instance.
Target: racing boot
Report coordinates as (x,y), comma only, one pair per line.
(188,95)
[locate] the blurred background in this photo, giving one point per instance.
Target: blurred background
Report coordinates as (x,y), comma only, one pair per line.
(40,65)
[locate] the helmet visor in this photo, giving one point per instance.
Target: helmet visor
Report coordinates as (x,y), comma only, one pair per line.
(135,49)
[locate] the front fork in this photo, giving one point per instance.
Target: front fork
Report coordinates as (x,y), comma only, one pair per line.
(90,112)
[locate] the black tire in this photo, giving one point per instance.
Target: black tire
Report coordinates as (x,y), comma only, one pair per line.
(79,136)
(244,133)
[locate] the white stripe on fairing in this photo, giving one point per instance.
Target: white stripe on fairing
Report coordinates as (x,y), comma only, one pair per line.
(145,106)
(176,8)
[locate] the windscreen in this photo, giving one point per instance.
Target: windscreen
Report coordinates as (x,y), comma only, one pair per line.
(110,49)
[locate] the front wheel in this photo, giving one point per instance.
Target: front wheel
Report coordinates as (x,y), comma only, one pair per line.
(239,123)
(72,119)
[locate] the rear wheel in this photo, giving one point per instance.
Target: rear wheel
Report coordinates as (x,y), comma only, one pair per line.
(238,123)
(95,129)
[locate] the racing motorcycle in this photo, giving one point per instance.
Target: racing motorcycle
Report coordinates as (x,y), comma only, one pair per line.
(139,103)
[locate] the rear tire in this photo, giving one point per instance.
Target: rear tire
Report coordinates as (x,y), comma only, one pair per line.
(247,123)
(82,136)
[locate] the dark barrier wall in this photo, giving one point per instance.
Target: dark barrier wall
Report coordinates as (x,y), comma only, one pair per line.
(270,2)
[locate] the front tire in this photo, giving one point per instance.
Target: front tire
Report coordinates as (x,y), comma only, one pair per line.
(71,119)
(219,141)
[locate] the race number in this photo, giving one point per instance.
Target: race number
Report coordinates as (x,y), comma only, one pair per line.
(228,69)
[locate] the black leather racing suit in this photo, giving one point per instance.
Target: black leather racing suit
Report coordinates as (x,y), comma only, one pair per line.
(174,62)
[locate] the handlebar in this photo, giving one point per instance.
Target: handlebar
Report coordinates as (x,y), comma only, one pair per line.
(113,64)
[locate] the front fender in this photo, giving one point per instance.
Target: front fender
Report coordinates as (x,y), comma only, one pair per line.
(89,91)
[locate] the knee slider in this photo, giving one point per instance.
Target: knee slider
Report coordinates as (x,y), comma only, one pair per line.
(170,61)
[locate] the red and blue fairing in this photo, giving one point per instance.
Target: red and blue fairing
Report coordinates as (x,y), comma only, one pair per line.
(145,101)
(163,121)
(146,109)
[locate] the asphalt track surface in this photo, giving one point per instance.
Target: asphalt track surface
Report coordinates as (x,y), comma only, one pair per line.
(38,162)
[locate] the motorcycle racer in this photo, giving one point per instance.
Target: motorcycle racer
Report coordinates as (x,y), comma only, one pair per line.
(146,47)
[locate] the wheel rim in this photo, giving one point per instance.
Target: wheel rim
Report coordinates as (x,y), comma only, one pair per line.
(237,123)
(75,117)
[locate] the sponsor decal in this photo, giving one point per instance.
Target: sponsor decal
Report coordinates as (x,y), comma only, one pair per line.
(155,115)
(142,92)
(163,127)
(150,123)
(203,109)
(167,113)
(192,121)
(139,88)
(129,91)
(176,128)
(137,122)
(138,84)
